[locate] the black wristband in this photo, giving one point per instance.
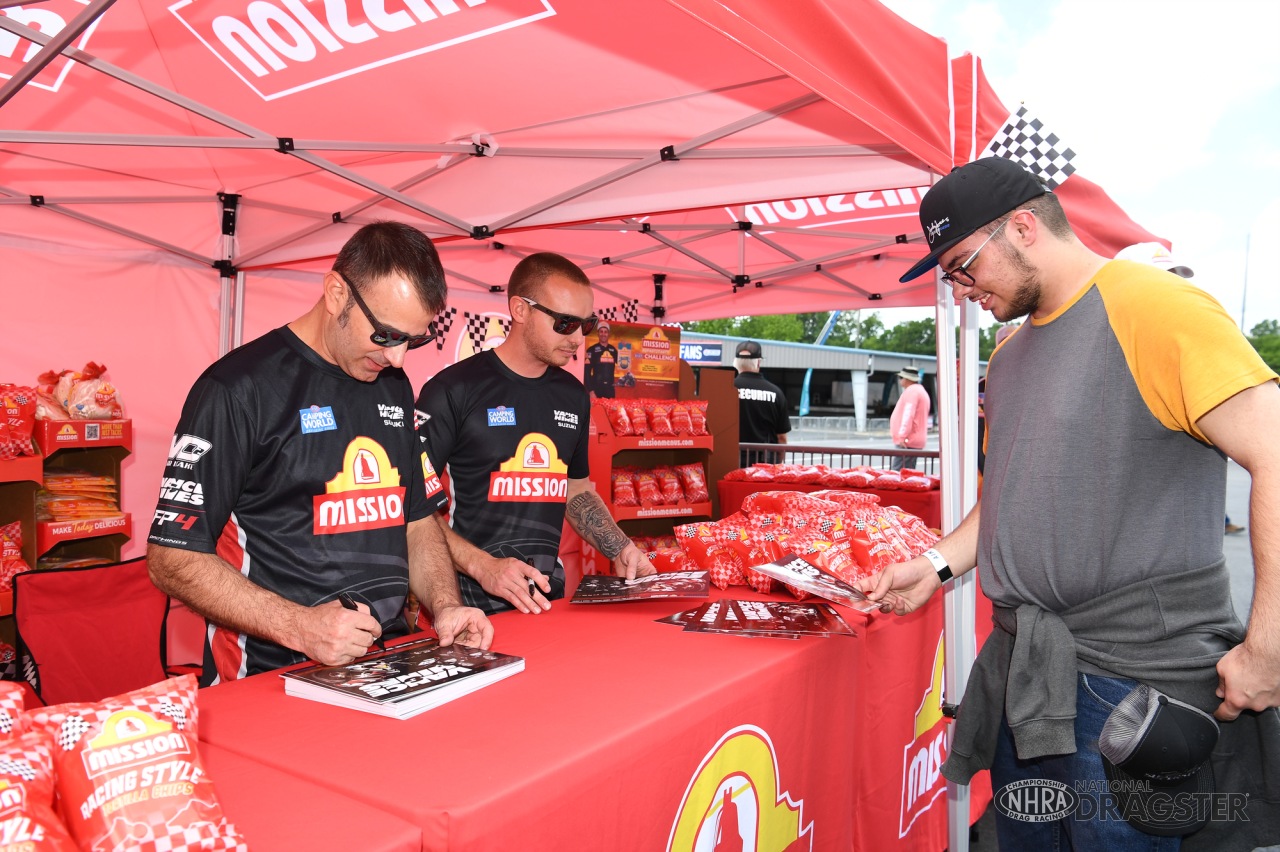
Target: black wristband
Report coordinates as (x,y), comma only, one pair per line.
(939,563)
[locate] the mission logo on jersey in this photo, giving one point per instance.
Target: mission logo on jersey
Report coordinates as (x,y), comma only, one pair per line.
(534,474)
(365,495)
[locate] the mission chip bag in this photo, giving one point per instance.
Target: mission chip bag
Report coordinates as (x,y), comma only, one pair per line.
(27,819)
(129,772)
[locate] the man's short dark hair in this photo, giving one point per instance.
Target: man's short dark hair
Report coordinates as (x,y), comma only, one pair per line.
(383,249)
(528,276)
(1048,210)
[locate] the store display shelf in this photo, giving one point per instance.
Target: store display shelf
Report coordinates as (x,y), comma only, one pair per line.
(51,533)
(680,510)
(23,468)
(53,435)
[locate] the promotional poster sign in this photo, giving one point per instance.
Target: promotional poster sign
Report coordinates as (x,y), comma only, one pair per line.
(629,360)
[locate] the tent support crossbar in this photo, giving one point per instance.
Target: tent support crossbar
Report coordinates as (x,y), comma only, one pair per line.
(676,151)
(126,232)
(53,49)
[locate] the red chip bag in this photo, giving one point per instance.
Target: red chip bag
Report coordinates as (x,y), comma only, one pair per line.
(639,421)
(681,422)
(669,483)
(668,559)
(647,488)
(28,822)
(698,417)
(18,419)
(694,480)
(618,418)
(624,489)
(129,772)
(12,722)
(659,418)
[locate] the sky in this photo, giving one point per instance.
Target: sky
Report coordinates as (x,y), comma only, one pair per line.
(1172,107)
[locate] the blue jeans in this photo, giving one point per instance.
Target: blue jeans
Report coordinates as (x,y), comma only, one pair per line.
(1083,830)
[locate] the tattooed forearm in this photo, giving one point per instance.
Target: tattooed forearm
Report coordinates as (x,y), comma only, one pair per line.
(590,518)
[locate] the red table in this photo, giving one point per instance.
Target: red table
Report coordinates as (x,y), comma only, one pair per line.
(626,734)
(278,812)
(926,505)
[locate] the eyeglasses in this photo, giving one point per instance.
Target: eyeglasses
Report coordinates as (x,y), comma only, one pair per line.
(960,275)
(566,323)
(384,335)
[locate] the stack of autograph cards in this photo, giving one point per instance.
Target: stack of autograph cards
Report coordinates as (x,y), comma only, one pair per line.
(599,588)
(784,619)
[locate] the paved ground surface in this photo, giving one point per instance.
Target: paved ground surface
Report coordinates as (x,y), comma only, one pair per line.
(1235,548)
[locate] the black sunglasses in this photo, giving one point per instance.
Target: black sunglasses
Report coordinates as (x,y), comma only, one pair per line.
(385,335)
(566,323)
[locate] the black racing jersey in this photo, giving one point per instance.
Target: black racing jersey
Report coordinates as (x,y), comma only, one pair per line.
(598,375)
(300,477)
(506,447)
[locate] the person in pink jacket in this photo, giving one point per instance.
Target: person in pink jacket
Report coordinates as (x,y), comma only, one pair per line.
(910,418)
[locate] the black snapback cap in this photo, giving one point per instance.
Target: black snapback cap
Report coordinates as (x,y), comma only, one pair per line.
(968,198)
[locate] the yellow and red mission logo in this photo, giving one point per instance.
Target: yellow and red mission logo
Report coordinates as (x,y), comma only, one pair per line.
(131,738)
(365,495)
(534,474)
(12,798)
(922,758)
(735,801)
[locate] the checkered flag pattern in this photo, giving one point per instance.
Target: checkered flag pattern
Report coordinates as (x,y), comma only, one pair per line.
(444,323)
(626,312)
(18,768)
(478,327)
(174,712)
(1024,139)
(70,732)
(6,722)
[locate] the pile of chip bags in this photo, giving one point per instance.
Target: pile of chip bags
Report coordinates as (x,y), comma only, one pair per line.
(657,417)
(848,534)
(78,395)
(120,774)
(862,476)
(665,485)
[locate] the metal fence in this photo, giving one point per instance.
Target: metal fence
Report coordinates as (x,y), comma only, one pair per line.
(839,457)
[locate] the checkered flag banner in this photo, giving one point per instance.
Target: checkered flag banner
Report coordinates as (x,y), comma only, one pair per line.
(626,312)
(444,322)
(478,327)
(1024,139)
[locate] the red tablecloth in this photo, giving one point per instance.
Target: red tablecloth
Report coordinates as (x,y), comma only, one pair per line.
(926,505)
(627,734)
(276,811)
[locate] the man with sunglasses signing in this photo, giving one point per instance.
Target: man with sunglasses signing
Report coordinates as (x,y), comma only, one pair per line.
(295,478)
(1099,533)
(508,429)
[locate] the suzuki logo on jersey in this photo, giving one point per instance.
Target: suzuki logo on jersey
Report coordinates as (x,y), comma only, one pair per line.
(174,490)
(502,416)
(392,415)
(365,495)
(186,450)
(317,419)
(281,48)
(163,516)
(534,474)
(565,418)
(922,758)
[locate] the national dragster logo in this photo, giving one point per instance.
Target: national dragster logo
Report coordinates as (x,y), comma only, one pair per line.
(365,495)
(534,474)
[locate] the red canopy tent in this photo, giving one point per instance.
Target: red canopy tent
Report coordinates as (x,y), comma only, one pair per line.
(174,175)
